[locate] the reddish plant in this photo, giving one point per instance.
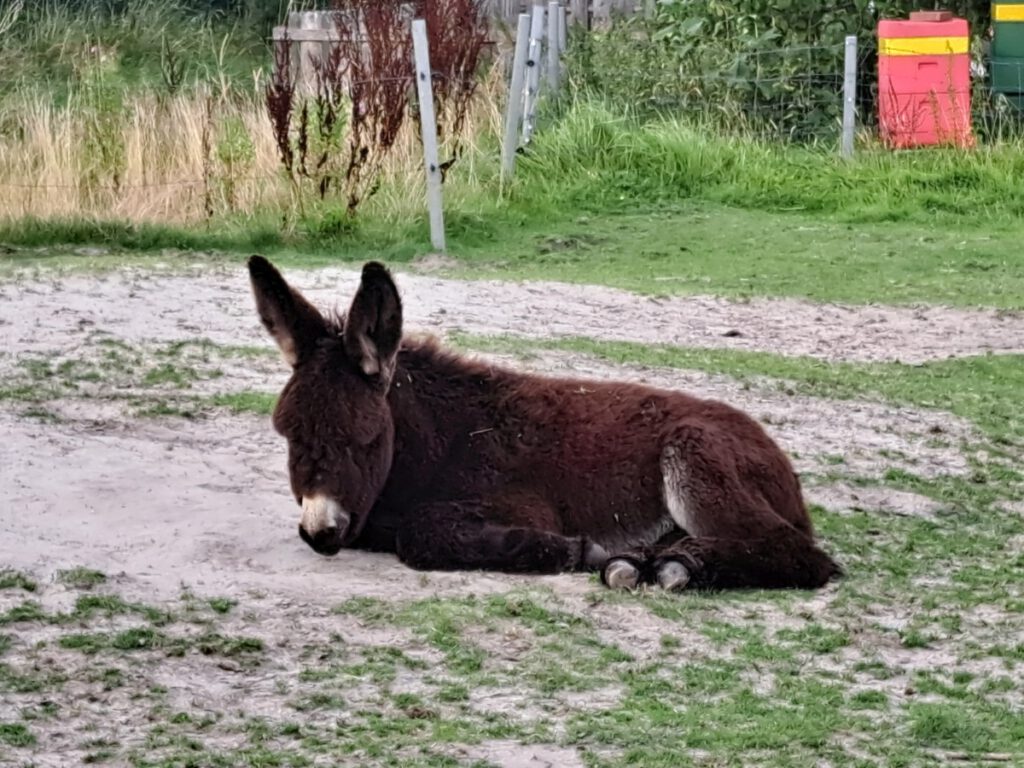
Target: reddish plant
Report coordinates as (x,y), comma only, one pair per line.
(375,42)
(280,96)
(458,32)
(370,66)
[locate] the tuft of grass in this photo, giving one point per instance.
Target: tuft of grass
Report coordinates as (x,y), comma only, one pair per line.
(11,579)
(215,644)
(16,735)
(27,611)
(81,578)
(259,403)
(221,604)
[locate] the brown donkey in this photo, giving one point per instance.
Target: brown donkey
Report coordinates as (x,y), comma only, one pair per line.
(454,464)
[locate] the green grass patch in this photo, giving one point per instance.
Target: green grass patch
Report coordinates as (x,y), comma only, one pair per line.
(259,403)
(89,606)
(81,578)
(28,680)
(11,579)
(975,730)
(134,639)
(16,735)
(657,207)
(26,611)
(221,605)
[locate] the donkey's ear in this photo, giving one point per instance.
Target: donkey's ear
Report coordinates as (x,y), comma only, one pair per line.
(295,324)
(373,326)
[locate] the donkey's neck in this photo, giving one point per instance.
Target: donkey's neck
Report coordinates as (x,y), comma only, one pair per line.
(437,400)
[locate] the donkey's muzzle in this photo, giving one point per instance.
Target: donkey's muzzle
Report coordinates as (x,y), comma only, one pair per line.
(324,524)
(326,541)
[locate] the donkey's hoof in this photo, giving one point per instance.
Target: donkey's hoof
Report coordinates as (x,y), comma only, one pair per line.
(620,573)
(673,576)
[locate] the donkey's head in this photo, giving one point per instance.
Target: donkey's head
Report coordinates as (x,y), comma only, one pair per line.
(334,411)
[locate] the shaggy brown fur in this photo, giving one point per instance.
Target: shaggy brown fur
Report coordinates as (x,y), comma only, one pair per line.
(455,464)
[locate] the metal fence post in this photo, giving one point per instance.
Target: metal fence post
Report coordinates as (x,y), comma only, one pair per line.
(849,96)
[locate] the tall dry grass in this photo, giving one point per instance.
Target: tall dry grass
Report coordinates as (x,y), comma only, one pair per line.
(189,157)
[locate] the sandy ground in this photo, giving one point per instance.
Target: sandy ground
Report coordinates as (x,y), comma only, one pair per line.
(218,305)
(161,504)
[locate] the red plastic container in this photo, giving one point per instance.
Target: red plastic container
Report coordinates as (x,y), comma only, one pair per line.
(924,81)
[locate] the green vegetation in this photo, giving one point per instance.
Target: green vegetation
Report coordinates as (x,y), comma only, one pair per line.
(153,382)
(16,735)
(732,236)
(11,579)
(603,194)
(81,578)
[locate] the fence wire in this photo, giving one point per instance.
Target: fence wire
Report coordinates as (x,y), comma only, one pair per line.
(779,94)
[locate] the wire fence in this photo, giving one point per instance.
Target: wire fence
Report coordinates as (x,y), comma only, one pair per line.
(792,94)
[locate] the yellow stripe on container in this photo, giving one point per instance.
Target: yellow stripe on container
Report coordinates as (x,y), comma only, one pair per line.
(1007,12)
(923,46)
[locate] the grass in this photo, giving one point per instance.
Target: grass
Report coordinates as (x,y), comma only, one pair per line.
(11,579)
(659,207)
(151,381)
(81,578)
(16,735)
(774,682)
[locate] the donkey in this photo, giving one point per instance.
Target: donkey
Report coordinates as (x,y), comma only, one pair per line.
(401,446)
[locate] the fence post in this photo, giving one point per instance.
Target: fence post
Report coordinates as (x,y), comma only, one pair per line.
(533,71)
(554,75)
(563,43)
(425,92)
(514,107)
(849,95)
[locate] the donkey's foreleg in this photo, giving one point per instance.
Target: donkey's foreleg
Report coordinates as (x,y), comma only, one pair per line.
(475,535)
(628,569)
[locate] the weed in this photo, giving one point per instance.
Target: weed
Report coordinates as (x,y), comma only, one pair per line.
(25,612)
(11,579)
(81,578)
(16,735)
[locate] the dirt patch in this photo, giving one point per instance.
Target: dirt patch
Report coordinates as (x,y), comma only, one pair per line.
(842,497)
(217,305)
(509,754)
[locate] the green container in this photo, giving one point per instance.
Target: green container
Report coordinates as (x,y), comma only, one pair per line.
(1008,48)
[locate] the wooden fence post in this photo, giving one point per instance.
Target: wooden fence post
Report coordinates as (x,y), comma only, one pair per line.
(425,91)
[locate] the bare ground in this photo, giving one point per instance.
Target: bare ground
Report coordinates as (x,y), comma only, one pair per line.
(162,505)
(217,304)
